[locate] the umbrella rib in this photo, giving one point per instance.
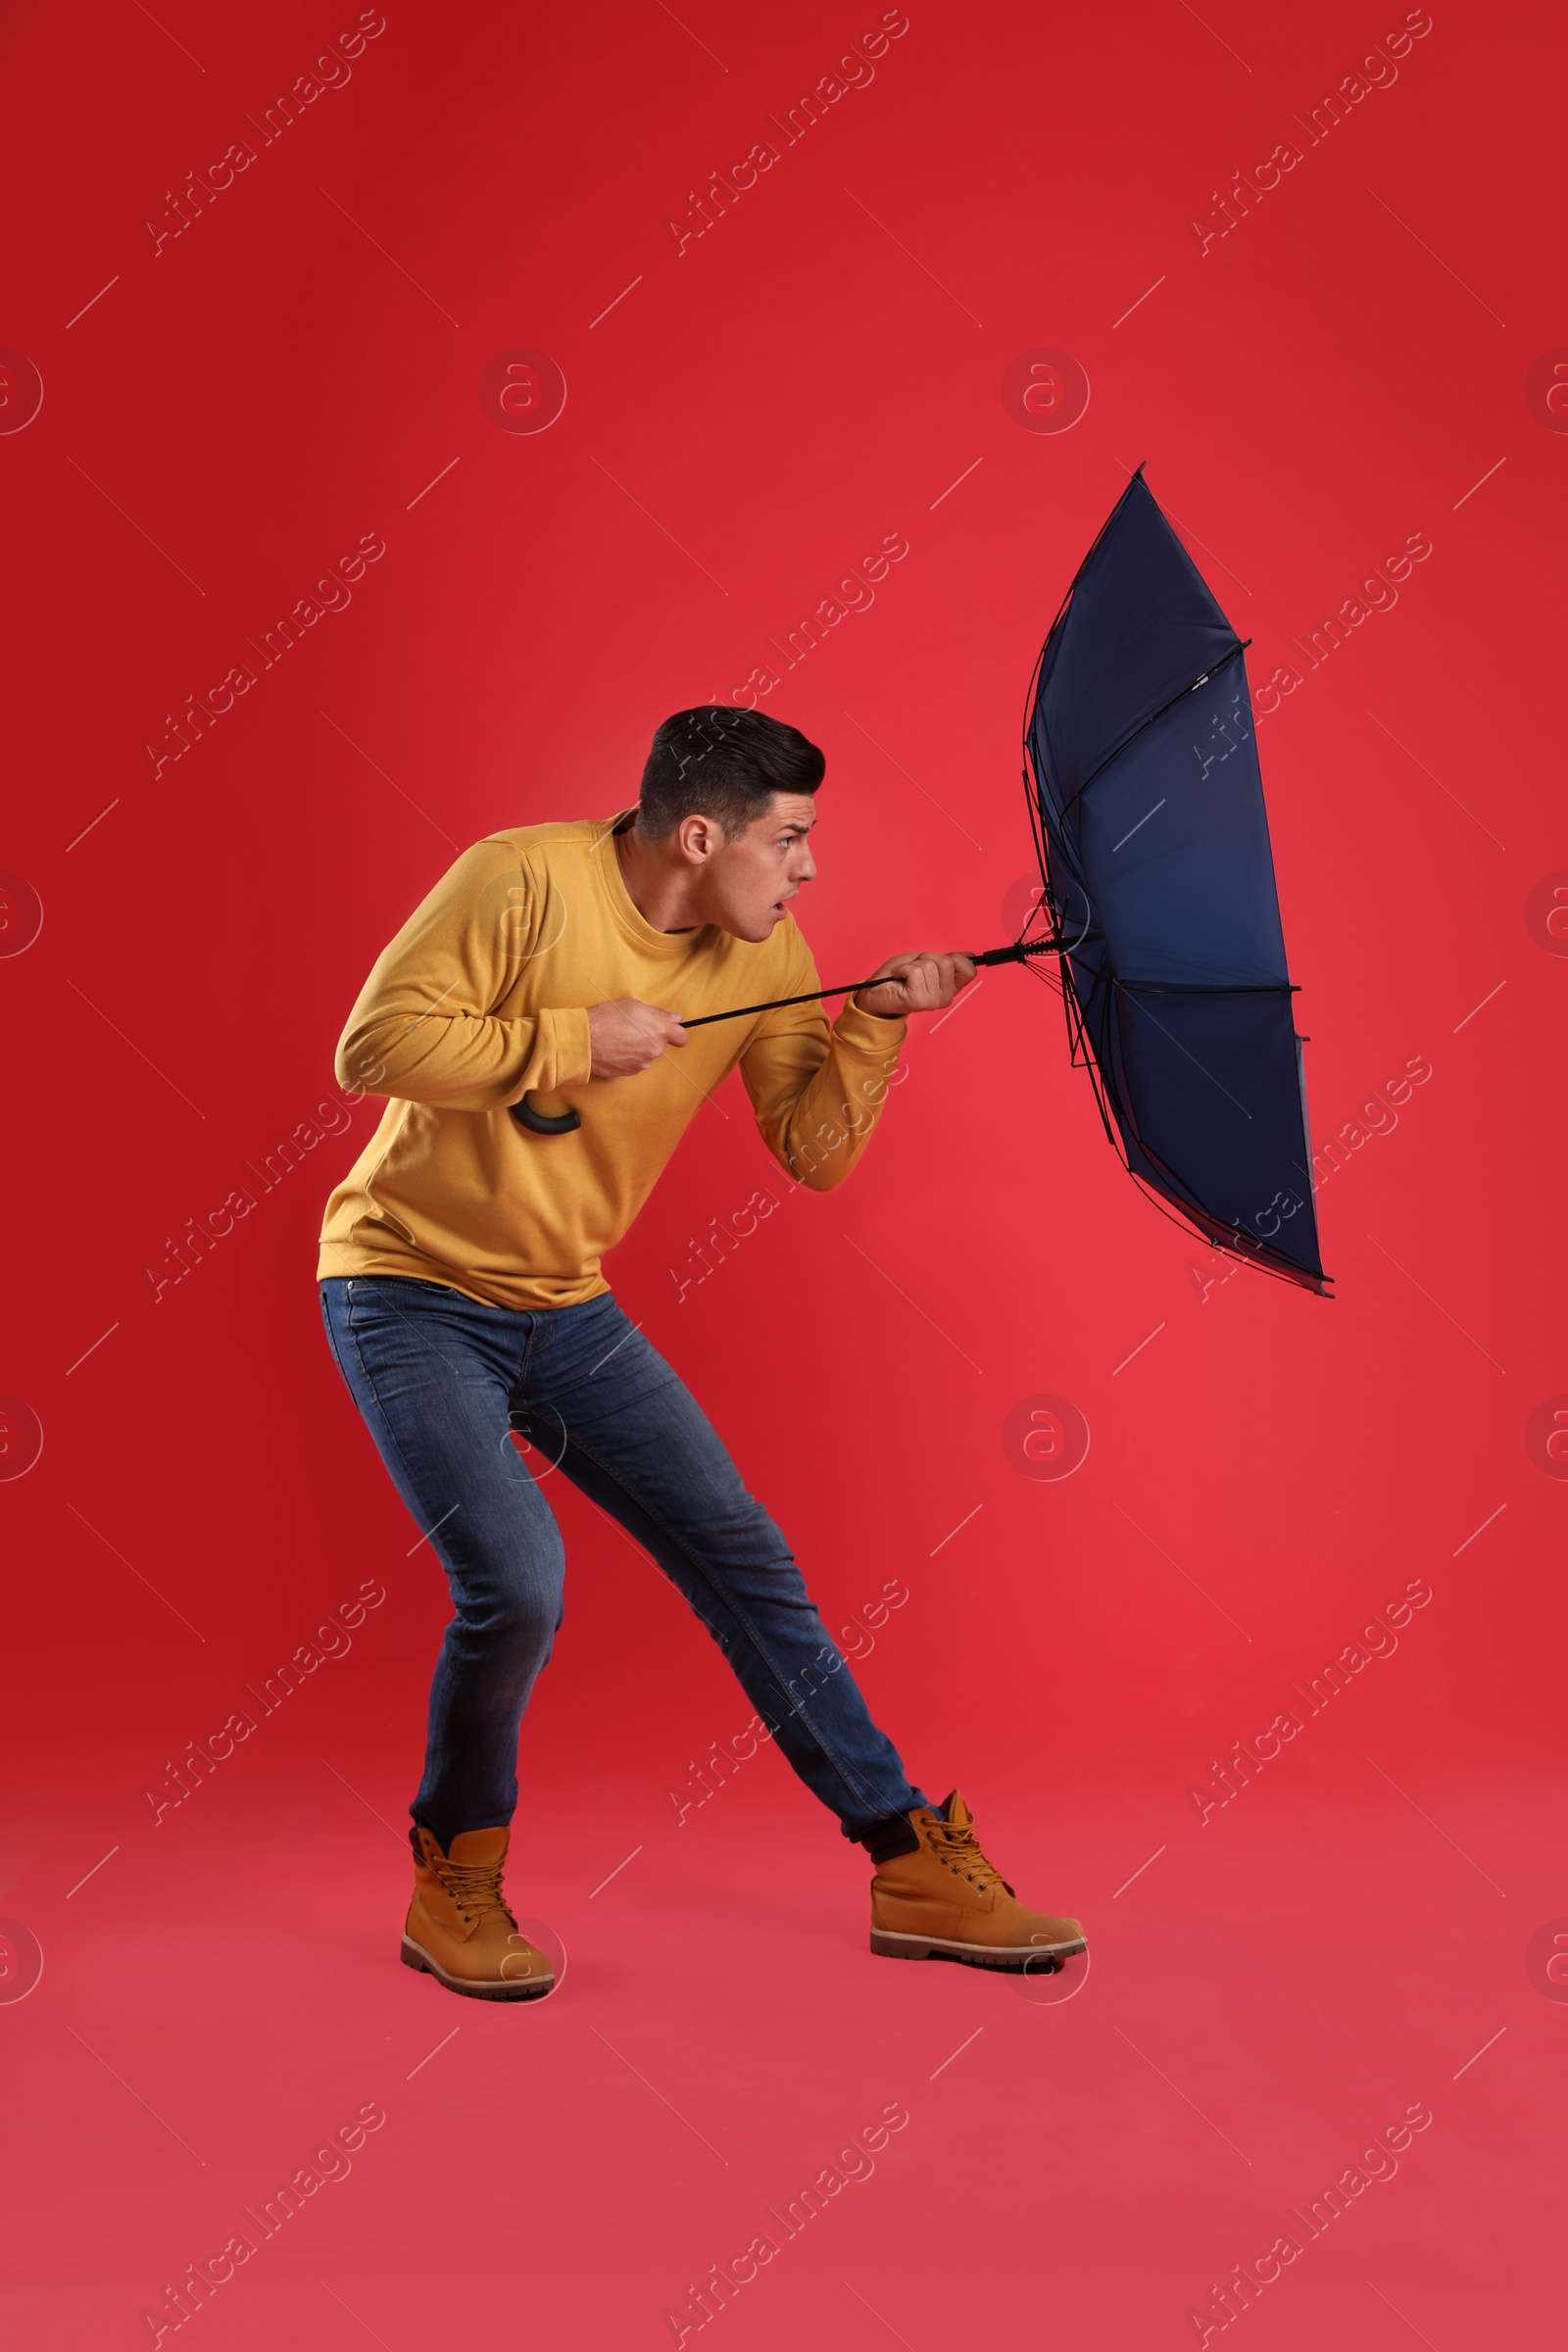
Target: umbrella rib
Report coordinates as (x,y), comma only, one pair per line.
(1245,1245)
(1211,988)
(1213,671)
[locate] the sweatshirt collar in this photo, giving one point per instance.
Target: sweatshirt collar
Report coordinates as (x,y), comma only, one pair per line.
(668,947)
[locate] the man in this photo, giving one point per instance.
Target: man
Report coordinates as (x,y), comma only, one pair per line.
(461,1292)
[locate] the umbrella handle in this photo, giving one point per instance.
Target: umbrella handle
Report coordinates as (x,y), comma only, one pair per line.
(540,1122)
(1021,948)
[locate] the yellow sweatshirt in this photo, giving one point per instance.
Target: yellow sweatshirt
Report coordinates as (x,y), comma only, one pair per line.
(483,998)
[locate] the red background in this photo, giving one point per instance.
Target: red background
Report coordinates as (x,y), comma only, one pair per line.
(224,419)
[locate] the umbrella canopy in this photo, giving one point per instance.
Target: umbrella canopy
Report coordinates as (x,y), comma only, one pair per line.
(1154,853)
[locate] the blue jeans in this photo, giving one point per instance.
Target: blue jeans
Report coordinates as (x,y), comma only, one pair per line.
(442,1382)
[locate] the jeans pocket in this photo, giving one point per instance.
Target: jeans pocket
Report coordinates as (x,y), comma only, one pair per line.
(394,1282)
(374,1303)
(327,1326)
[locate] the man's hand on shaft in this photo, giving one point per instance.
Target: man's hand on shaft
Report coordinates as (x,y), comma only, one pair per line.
(627,1036)
(924,982)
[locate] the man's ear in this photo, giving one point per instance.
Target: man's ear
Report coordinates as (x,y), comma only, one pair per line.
(696,838)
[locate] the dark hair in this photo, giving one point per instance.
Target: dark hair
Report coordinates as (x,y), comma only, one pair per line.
(723,764)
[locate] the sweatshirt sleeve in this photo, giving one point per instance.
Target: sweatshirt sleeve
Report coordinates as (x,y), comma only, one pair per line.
(425,1029)
(818,1092)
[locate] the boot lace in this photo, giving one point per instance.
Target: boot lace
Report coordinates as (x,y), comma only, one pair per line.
(958,1847)
(476,1888)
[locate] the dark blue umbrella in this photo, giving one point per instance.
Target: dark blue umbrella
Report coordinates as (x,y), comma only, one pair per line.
(1153,848)
(1157,884)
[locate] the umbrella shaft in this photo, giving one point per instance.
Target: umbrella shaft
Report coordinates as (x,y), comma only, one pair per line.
(1013,955)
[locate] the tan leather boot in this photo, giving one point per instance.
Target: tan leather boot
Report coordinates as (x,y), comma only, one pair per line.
(459,1928)
(945,1901)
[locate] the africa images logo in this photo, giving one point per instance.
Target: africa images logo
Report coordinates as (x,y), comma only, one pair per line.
(21,1961)
(1045,1436)
(21,392)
